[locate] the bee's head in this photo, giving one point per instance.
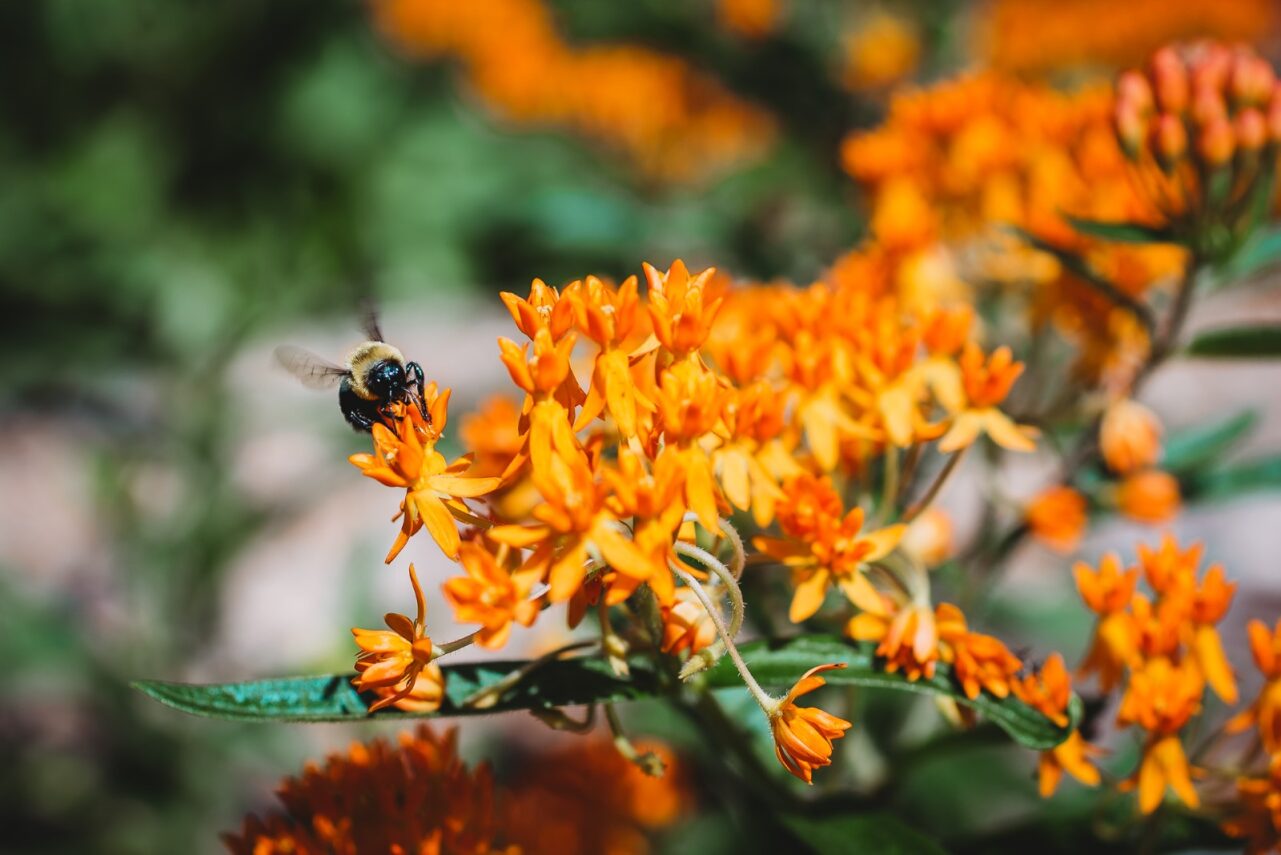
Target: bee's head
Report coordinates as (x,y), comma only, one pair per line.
(386,380)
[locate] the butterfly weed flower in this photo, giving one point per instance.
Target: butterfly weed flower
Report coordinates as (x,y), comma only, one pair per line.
(399,663)
(803,736)
(490,595)
(1048,691)
(1161,697)
(1108,592)
(1264,712)
(1058,517)
(434,488)
(1129,436)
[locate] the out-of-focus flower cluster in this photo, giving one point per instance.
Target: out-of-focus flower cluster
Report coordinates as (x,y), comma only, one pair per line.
(1042,36)
(673,122)
(1202,125)
(957,166)
(1162,649)
(418,796)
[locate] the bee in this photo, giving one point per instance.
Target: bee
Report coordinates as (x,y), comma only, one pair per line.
(375,378)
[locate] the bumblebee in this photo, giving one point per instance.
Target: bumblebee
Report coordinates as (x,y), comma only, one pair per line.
(376,377)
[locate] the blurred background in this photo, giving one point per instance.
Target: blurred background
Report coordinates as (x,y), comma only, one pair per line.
(186,186)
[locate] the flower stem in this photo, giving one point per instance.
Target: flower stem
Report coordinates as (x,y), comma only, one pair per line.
(712,563)
(932,493)
(767,703)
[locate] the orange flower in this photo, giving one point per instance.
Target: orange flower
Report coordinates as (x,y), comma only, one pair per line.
(803,736)
(681,307)
(545,309)
(609,317)
(1265,712)
(752,19)
(434,489)
(490,595)
(1161,698)
(654,503)
(1072,755)
(754,417)
(492,434)
(686,624)
(828,548)
(1108,592)
(393,663)
(929,537)
(1258,814)
(1149,496)
(1057,517)
(575,524)
(690,399)
(880,51)
(908,636)
(1129,436)
(1048,692)
(987,383)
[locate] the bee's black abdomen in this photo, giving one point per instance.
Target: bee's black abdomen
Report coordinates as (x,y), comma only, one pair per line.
(359,412)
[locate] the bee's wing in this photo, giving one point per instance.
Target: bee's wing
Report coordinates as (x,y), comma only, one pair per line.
(313,371)
(369,320)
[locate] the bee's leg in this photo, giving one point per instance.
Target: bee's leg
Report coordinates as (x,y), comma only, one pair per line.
(419,382)
(354,408)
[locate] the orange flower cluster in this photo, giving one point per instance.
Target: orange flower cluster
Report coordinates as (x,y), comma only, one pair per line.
(1202,126)
(1040,36)
(957,163)
(418,796)
(671,121)
(1258,818)
(1165,647)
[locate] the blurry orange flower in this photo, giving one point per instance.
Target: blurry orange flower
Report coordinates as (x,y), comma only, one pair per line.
(1072,755)
(400,664)
(1149,496)
(1108,593)
(929,537)
(752,19)
(803,736)
(1129,436)
(880,50)
(492,434)
(1258,813)
(1161,697)
(1058,517)
(987,382)
(434,488)
(1265,712)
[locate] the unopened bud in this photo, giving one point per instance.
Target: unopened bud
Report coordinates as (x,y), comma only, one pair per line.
(1131,127)
(1208,106)
(1274,119)
(1217,143)
(1251,130)
(1170,80)
(1134,92)
(1212,68)
(1169,141)
(1252,79)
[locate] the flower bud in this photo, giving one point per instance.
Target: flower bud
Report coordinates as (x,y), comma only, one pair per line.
(1208,106)
(1212,68)
(1217,143)
(1251,130)
(1274,119)
(1251,80)
(1169,141)
(1170,80)
(1131,127)
(1134,92)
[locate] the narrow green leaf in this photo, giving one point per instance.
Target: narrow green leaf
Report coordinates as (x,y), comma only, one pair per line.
(778,666)
(331,697)
(585,680)
(1230,481)
(881,833)
(1262,341)
(1120,232)
(1195,447)
(1260,252)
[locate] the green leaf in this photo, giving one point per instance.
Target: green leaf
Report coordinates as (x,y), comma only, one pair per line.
(1195,447)
(778,666)
(881,833)
(1260,252)
(586,680)
(1230,481)
(331,697)
(1262,341)
(1121,232)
